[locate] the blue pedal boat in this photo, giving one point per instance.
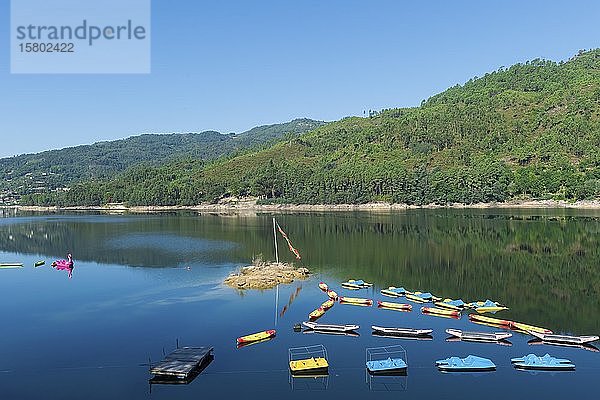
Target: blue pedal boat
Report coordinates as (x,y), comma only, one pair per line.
(424,296)
(393,291)
(468,364)
(388,360)
(545,363)
(386,366)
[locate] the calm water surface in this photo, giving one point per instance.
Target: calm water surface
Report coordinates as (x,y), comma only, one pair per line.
(131,298)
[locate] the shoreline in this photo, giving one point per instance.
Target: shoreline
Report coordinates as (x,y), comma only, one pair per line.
(251,206)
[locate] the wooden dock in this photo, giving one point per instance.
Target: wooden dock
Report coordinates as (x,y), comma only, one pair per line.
(183,362)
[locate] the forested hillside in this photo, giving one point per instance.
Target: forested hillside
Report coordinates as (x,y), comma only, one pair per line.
(529,131)
(46,171)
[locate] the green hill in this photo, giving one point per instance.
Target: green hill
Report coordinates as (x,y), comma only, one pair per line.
(528,131)
(46,171)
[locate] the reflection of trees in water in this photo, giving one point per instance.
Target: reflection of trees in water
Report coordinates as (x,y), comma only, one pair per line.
(544,268)
(105,241)
(7,212)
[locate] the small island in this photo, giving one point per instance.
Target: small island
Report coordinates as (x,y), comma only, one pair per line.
(265,275)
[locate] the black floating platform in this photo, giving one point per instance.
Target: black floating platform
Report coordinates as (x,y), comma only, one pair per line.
(183,362)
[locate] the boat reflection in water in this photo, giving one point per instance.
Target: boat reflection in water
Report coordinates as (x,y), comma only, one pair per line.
(500,342)
(349,333)
(392,336)
(309,382)
(391,382)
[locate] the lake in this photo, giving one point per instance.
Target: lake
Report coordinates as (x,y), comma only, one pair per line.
(143,283)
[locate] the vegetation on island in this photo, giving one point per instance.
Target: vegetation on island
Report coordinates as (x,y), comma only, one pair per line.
(530,131)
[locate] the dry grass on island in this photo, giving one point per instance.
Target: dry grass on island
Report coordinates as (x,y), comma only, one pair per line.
(265,275)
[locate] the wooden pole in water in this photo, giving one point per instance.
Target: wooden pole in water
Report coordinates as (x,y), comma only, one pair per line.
(276,303)
(277,259)
(275,239)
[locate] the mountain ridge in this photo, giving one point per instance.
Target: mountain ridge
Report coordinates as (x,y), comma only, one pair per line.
(530,131)
(56,168)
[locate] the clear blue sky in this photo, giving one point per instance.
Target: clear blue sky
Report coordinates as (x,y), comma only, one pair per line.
(231,65)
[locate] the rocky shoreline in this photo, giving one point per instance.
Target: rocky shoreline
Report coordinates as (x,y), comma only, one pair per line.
(265,275)
(250,205)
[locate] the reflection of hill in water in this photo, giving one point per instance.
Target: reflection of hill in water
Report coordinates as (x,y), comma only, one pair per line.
(543,264)
(134,241)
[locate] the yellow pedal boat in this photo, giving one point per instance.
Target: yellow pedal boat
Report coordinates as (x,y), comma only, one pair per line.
(309,365)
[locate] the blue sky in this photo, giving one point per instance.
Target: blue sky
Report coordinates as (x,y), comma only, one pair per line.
(231,65)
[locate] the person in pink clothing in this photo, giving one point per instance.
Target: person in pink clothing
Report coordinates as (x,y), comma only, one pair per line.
(65,265)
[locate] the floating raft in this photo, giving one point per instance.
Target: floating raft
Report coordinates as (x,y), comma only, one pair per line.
(564,338)
(393,331)
(479,336)
(588,347)
(11,265)
(182,362)
(330,327)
